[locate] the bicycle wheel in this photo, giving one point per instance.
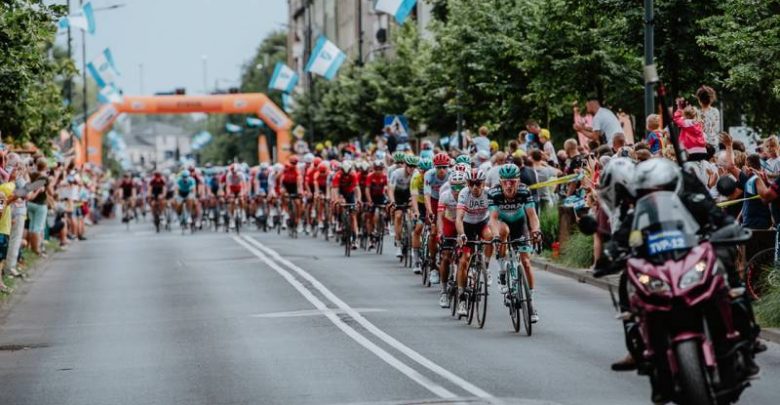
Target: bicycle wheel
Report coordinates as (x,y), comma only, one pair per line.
(380,234)
(515,314)
(471,288)
(481,296)
(347,232)
(523,295)
(762,272)
(425,268)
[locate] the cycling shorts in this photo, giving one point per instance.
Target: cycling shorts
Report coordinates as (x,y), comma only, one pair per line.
(474,231)
(423,213)
(235,190)
(291,188)
(517,229)
(169,194)
(449,231)
(349,198)
(185,195)
(402,197)
(379,199)
(157,192)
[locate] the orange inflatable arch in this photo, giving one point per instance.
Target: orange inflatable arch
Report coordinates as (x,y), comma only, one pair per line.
(249,103)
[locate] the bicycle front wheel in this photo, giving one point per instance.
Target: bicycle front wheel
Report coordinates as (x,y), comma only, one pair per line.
(481,298)
(762,273)
(515,313)
(523,294)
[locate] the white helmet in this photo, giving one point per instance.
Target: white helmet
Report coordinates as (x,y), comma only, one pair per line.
(657,174)
(462,167)
(346,166)
(458,178)
(264,166)
(278,167)
(308,158)
(616,183)
(477,175)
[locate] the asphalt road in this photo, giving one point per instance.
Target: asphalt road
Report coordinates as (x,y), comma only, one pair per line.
(131,317)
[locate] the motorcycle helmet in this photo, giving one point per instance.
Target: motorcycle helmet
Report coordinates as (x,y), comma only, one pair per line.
(617,183)
(656,175)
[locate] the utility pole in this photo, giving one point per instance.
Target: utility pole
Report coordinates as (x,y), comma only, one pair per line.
(309,77)
(360,32)
(69,80)
(84,103)
(651,74)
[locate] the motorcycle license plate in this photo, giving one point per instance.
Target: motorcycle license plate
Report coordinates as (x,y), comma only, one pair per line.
(665,241)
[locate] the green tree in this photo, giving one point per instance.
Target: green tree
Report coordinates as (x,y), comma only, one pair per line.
(31,102)
(745,39)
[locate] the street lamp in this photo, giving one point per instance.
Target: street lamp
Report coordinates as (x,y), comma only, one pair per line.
(650,72)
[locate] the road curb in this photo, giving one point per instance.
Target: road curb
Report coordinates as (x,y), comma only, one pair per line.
(585,276)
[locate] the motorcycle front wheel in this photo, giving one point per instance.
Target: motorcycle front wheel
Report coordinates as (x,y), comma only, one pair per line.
(692,374)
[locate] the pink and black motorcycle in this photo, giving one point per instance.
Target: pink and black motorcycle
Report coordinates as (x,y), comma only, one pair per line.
(684,334)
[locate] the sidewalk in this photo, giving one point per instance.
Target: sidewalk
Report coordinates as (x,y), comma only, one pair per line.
(586,276)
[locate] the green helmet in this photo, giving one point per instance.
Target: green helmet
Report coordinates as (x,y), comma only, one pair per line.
(412,160)
(509,171)
(399,157)
(425,164)
(463,159)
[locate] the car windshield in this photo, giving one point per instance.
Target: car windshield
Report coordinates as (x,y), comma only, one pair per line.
(665,223)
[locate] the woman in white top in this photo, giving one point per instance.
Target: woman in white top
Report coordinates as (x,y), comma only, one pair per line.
(709,115)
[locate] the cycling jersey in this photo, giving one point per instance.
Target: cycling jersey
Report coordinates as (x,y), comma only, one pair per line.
(448,204)
(157,184)
(262,180)
(433,184)
(290,174)
(185,184)
(510,209)
(346,182)
(127,188)
(376,182)
(234,181)
(308,178)
(418,185)
(476,208)
(401,185)
(321,178)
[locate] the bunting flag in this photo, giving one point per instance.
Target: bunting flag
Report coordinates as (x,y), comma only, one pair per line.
(399,9)
(284,78)
(288,104)
(84,21)
(103,69)
(254,122)
(110,94)
(233,128)
(326,59)
(200,140)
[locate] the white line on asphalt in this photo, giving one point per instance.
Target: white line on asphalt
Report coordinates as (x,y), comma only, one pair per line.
(310,312)
(409,352)
(352,333)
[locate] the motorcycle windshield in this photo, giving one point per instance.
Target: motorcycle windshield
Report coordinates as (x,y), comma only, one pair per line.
(667,227)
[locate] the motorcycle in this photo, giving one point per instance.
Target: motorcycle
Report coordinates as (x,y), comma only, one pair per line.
(680,324)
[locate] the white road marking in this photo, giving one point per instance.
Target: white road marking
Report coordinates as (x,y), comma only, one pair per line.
(311,312)
(348,330)
(409,352)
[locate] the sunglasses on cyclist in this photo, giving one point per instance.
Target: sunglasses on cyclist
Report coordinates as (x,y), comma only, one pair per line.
(509,181)
(457,188)
(475,183)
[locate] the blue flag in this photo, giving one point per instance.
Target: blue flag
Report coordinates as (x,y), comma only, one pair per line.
(200,140)
(84,21)
(254,122)
(110,94)
(399,9)
(284,78)
(233,128)
(288,104)
(326,59)
(103,69)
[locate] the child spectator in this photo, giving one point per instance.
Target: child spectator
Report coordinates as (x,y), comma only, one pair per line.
(691,132)
(654,137)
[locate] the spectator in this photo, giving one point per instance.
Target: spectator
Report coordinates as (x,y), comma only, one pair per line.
(618,142)
(544,172)
(18,175)
(605,124)
(546,145)
(584,120)
(6,199)
(533,134)
(710,116)
(654,137)
(691,134)
(481,141)
(37,207)
(492,177)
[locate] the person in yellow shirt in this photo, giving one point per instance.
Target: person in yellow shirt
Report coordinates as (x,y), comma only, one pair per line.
(6,198)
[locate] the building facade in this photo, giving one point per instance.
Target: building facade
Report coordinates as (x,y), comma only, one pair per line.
(342,22)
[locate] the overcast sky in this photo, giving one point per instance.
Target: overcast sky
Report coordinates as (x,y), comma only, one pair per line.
(171,37)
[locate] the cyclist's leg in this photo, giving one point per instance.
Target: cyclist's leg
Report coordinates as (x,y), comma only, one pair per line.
(487,235)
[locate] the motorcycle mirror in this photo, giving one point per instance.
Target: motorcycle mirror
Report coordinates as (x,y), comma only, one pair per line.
(587,224)
(726,185)
(731,235)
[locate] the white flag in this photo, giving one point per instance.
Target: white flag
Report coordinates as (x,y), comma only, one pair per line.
(399,9)
(284,78)
(84,22)
(103,69)
(326,59)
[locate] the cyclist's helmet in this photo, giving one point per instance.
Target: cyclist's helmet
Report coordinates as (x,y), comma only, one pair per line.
(508,171)
(476,175)
(463,159)
(616,183)
(308,158)
(657,175)
(425,164)
(185,173)
(363,166)
(293,160)
(346,167)
(412,160)
(399,157)
(334,165)
(232,168)
(462,167)
(379,164)
(264,166)
(458,178)
(316,162)
(441,160)
(322,167)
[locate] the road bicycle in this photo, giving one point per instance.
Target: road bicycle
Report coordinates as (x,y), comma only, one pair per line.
(378,236)
(346,227)
(426,264)
(292,220)
(762,271)
(518,295)
(476,291)
(407,228)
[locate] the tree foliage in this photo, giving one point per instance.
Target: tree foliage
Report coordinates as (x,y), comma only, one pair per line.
(31,102)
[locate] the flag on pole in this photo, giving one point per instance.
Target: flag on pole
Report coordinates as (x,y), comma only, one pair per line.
(284,78)
(110,94)
(103,69)
(399,9)
(326,59)
(84,21)
(254,122)
(233,128)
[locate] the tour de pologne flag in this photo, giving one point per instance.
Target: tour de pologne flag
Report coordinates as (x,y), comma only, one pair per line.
(110,94)
(254,122)
(284,78)
(326,59)
(288,104)
(233,128)
(103,69)
(84,22)
(399,9)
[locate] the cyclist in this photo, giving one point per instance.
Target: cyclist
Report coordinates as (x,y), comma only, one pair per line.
(447,213)
(346,191)
(512,211)
(128,191)
(320,191)
(307,171)
(472,224)
(419,209)
(400,195)
(235,189)
(376,195)
(463,159)
(399,161)
(261,182)
(434,179)
(363,172)
(292,183)
(185,187)
(157,188)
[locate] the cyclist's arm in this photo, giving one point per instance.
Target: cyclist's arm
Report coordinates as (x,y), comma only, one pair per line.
(533,219)
(358,193)
(494,222)
(428,204)
(461,212)
(440,221)
(391,193)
